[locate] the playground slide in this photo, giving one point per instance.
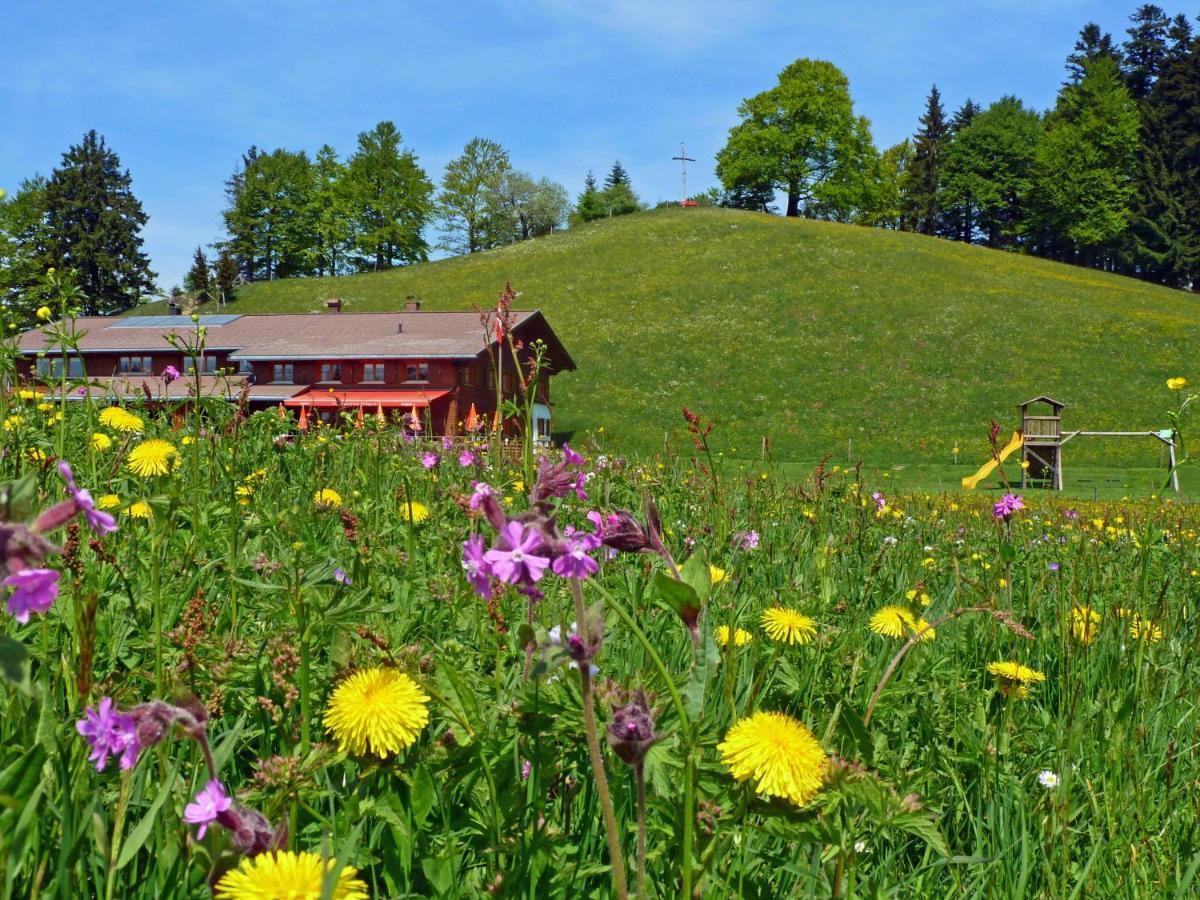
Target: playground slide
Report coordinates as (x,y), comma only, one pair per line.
(972,481)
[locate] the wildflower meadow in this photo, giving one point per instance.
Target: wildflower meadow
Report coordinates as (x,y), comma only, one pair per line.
(354,661)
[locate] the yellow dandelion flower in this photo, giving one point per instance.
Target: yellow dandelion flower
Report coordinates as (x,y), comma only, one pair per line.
(101,442)
(37,455)
(897,621)
(377,711)
(1144,630)
(327,497)
(12,423)
(138,510)
(43,313)
(153,457)
(119,419)
(187,440)
(1013,678)
(108,501)
(26,394)
(778,753)
(414,511)
(741,637)
(1176,384)
(1085,624)
(284,874)
(788,626)
(46,406)
(716,574)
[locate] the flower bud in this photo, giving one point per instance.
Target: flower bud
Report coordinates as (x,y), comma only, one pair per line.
(631,731)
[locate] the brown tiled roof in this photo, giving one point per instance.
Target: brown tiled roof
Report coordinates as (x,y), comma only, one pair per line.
(134,387)
(341,335)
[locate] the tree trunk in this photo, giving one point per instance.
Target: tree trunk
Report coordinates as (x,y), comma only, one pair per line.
(793,206)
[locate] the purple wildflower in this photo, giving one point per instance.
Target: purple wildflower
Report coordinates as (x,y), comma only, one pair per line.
(109,731)
(575,562)
(467,459)
(429,460)
(479,571)
(447,442)
(515,557)
(526,768)
(100,522)
(748,540)
(207,805)
(169,374)
(340,576)
(34,591)
(1070,514)
(482,490)
(1006,506)
(880,501)
(571,456)
(1053,567)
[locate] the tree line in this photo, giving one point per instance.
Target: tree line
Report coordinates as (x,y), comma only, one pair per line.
(1109,177)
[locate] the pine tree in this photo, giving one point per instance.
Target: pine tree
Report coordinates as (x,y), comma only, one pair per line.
(588,207)
(225,275)
(616,176)
(958,210)
(93,225)
(23,241)
(271,217)
(964,115)
(197,281)
(1146,49)
(331,213)
(1091,45)
(391,200)
(923,179)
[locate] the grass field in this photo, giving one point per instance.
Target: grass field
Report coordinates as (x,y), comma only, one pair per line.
(813,333)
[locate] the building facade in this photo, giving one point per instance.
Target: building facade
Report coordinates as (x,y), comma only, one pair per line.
(442,365)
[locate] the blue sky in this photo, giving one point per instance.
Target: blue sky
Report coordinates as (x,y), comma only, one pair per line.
(180,90)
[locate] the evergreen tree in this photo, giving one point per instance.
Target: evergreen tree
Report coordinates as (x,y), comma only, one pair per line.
(225,275)
(759,198)
(390,199)
(619,200)
(197,281)
(989,168)
(470,204)
(1085,167)
(23,240)
(331,213)
(616,176)
(800,137)
(588,207)
(922,183)
(958,211)
(964,116)
(1145,49)
(1092,44)
(93,226)
(271,219)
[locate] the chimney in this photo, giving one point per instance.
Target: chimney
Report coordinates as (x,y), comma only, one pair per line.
(334,304)
(412,304)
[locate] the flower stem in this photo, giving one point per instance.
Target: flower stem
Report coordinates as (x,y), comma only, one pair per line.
(593,741)
(639,775)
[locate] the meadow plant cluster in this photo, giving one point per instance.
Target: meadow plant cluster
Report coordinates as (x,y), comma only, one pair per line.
(246,660)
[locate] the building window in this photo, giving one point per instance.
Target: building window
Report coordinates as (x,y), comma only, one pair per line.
(52,366)
(507,381)
(372,372)
(491,379)
(468,375)
(134,365)
(283,373)
(543,427)
(245,367)
(331,372)
(416,372)
(205,365)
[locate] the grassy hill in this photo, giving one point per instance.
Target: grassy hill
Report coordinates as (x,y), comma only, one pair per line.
(813,333)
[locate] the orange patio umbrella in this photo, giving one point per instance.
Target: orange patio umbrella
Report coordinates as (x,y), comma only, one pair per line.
(472,418)
(282,412)
(414,420)
(379,414)
(496,422)
(304,418)
(358,419)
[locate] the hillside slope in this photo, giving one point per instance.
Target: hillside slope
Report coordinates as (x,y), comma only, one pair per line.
(812,333)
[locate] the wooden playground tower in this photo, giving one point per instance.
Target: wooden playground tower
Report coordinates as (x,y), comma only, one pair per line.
(1044,439)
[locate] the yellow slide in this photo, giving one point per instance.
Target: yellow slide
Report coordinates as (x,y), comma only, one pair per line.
(972,481)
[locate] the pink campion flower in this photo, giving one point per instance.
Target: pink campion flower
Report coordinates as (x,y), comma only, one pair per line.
(207,805)
(481,490)
(580,481)
(101,522)
(34,591)
(575,562)
(748,540)
(476,567)
(467,459)
(169,374)
(571,456)
(880,501)
(1006,506)
(430,460)
(447,443)
(515,558)
(109,732)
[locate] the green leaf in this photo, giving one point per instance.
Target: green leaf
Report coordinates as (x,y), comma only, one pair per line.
(678,596)
(923,827)
(15,664)
(852,725)
(131,845)
(696,574)
(423,795)
(440,872)
(708,659)
(16,499)
(462,702)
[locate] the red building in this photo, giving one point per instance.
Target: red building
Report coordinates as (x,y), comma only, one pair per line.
(440,364)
